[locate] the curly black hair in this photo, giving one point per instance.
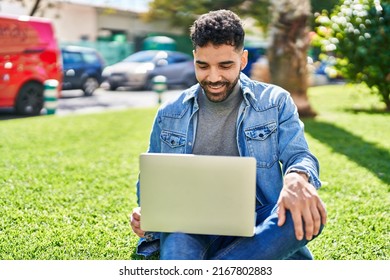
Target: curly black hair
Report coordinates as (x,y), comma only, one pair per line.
(218,28)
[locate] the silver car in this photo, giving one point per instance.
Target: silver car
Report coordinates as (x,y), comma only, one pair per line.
(138,70)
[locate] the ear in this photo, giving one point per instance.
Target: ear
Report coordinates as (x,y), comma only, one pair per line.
(244,59)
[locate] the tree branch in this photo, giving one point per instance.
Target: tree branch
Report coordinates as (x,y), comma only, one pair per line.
(35,7)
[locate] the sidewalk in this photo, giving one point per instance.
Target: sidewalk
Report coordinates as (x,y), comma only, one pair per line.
(103,100)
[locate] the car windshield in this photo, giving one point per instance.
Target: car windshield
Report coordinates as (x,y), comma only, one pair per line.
(146,56)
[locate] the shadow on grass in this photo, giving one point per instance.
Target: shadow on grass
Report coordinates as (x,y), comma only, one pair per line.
(373,111)
(134,256)
(366,154)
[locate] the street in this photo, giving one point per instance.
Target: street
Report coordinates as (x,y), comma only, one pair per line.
(73,101)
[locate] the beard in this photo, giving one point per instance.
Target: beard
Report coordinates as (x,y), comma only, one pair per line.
(219,91)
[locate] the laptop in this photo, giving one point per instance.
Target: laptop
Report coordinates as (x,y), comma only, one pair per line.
(198,194)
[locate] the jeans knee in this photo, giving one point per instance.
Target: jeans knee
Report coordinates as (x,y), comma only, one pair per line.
(182,246)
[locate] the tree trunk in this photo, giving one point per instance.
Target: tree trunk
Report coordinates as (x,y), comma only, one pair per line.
(288,52)
(35,8)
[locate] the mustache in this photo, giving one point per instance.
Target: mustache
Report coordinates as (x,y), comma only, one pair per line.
(216,84)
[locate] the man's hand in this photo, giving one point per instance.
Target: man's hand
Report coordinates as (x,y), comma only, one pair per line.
(135,222)
(302,200)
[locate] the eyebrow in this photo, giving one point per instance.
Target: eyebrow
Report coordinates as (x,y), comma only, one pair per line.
(220,63)
(201,62)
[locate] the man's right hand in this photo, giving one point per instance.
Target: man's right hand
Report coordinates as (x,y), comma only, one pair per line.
(135,222)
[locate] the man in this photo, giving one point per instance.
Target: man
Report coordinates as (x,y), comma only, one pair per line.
(229,114)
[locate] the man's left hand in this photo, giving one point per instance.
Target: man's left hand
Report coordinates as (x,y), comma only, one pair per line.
(302,200)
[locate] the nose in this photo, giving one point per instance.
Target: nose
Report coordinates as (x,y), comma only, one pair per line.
(214,75)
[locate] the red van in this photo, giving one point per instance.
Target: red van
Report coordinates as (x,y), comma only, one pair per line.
(29,55)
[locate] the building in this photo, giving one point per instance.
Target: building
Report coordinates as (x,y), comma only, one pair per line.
(88,23)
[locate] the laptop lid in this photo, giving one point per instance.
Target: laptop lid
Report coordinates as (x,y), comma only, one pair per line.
(198,194)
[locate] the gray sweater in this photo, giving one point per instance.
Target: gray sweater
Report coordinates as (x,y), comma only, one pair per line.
(216,128)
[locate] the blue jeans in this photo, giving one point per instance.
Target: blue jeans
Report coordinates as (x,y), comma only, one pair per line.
(270,242)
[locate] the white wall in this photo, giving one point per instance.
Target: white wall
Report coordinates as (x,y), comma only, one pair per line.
(70,21)
(74,22)
(12,8)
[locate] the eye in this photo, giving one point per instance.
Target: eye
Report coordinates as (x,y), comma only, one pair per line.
(225,66)
(203,67)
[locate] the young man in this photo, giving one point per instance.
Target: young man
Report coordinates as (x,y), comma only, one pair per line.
(229,114)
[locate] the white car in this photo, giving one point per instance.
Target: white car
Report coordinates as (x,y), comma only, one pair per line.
(139,69)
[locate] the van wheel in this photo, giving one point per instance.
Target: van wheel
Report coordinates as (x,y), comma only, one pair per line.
(90,85)
(30,99)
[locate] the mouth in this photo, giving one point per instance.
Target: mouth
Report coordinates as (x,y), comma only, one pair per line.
(215,86)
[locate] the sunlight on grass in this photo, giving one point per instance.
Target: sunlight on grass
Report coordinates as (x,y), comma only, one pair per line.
(349,138)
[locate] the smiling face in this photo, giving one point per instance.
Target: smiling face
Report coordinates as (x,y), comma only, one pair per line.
(218,69)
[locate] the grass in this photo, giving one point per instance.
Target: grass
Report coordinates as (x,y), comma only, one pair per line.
(67,184)
(350,137)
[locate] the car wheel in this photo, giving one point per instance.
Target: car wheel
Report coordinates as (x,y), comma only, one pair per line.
(30,99)
(90,85)
(149,86)
(112,87)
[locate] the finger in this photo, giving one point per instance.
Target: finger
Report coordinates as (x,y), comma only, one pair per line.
(136,223)
(316,220)
(309,224)
(136,227)
(137,213)
(139,232)
(281,215)
(322,210)
(135,217)
(298,226)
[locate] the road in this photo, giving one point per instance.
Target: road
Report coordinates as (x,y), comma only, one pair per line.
(73,101)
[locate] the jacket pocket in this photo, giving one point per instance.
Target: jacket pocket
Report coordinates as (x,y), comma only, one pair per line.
(262,143)
(172,141)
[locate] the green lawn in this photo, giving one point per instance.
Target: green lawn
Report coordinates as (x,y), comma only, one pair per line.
(67,184)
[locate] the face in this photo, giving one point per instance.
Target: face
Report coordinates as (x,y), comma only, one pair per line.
(218,69)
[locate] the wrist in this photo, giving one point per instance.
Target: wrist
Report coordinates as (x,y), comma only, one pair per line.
(303,174)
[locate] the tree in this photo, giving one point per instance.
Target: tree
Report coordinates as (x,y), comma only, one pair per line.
(288,55)
(357,33)
(36,7)
(184,12)
(288,25)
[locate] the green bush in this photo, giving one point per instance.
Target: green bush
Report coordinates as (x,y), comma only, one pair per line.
(357,33)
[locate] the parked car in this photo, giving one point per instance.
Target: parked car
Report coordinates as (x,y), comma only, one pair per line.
(139,69)
(29,56)
(82,69)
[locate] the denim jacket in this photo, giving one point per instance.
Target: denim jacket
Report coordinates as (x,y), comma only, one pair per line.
(268,128)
